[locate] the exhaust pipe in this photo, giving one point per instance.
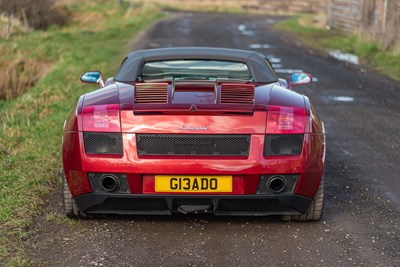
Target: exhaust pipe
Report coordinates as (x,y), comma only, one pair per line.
(276,184)
(109,182)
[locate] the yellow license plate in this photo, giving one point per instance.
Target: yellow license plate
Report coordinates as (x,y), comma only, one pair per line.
(185,183)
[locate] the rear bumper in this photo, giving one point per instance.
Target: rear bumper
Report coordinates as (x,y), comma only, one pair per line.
(242,205)
(308,165)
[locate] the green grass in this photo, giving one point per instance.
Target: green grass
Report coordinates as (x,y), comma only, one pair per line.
(31,125)
(386,62)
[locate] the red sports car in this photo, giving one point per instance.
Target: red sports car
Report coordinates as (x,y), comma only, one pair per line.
(193,130)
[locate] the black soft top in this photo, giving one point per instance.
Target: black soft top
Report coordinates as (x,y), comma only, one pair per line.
(131,67)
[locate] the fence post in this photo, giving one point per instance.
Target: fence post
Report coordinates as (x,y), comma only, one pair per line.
(365,19)
(384,17)
(329,13)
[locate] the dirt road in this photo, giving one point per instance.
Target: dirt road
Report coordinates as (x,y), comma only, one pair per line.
(360,225)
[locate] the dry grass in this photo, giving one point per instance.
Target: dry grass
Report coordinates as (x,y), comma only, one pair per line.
(279,7)
(317,21)
(19,72)
(18,68)
(89,19)
(237,6)
(37,14)
(8,24)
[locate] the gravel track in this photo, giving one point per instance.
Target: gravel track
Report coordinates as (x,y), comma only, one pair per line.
(360,225)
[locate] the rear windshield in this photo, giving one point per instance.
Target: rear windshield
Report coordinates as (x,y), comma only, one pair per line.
(195,69)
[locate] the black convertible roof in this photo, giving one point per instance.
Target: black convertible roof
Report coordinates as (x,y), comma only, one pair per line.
(131,67)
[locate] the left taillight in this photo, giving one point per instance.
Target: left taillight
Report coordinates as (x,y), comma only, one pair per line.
(286,120)
(101,118)
(102,129)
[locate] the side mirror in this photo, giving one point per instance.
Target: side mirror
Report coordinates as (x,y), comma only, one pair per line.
(299,78)
(93,77)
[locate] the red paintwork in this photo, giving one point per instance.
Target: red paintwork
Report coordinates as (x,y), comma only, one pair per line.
(218,118)
(72,160)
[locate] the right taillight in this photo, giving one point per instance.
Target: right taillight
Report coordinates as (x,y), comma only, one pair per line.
(285,131)
(286,120)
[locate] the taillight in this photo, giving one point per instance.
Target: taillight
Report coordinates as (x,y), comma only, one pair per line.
(101,118)
(285,120)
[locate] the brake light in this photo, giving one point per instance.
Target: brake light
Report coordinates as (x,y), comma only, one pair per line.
(101,118)
(287,120)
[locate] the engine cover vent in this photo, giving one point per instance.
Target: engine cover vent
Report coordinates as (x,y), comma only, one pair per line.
(151,93)
(237,94)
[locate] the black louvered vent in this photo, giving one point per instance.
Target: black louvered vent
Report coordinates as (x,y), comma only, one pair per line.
(283,144)
(102,143)
(237,93)
(192,145)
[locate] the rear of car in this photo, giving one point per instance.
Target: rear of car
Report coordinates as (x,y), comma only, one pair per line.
(194,135)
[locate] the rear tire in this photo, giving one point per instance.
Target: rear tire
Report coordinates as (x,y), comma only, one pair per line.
(314,212)
(70,208)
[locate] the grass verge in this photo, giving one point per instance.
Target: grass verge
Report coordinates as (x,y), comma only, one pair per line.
(386,62)
(31,125)
(216,6)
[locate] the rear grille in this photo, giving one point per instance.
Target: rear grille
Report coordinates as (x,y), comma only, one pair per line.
(283,144)
(102,143)
(192,145)
(147,93)
(237,94)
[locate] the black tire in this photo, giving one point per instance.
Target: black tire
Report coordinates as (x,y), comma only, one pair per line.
(69,205)
(315,210)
